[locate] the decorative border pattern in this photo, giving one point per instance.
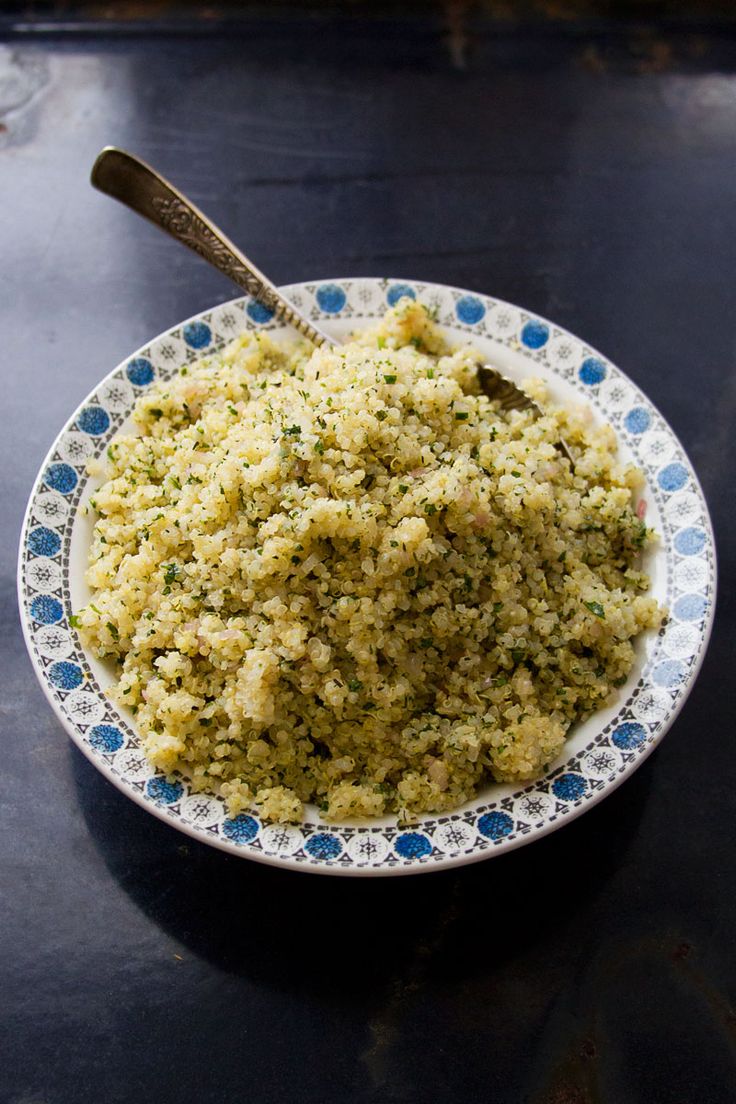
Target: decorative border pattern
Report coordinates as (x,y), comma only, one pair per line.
(687,552)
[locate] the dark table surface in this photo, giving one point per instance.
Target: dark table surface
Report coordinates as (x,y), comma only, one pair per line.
(587,174)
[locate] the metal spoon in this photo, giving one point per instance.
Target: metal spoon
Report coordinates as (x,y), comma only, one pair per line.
(134,183)
(138,186)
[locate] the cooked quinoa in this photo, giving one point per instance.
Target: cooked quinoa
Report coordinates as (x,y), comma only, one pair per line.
(343,577)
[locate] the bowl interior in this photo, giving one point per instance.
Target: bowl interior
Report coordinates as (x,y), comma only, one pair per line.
(517,365)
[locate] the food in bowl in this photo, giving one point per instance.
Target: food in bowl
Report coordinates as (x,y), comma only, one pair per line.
(343,576)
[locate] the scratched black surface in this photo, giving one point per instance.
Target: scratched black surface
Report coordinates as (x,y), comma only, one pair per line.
(589,178)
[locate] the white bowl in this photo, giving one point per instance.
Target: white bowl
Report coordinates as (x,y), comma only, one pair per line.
(599,754)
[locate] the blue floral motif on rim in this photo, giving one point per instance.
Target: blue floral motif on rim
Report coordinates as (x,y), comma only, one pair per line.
(535,334)
(65,675)
(61,478)
(398,291)
(689,542)
(94,420)
(673,477)
(47,610)
(669,673)
(592,371)
(166,793)
(470,310)
(323,846)
(258,312)
(629,735)
(637,420)
(197,334)
(331,298)
(569,787)
(140,371)
(241,828)
(43,542)
(495,825)
(106,738)
(691,607)
(412,845)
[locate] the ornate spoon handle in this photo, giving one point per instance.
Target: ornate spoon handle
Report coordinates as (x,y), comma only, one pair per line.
(138,186)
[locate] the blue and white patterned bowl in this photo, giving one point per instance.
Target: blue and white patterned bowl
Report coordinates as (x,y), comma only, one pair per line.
(599,754)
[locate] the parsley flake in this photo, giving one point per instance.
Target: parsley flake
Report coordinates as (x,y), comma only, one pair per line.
(171,573)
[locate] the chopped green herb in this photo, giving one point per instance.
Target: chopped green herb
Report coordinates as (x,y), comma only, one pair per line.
(171,572)
(461,415)
(354,685)
(382,415)
(596,608)
(112,629)
(389,379)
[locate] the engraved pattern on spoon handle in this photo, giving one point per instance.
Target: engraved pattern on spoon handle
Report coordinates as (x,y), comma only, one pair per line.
(179,220)
(134,183)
